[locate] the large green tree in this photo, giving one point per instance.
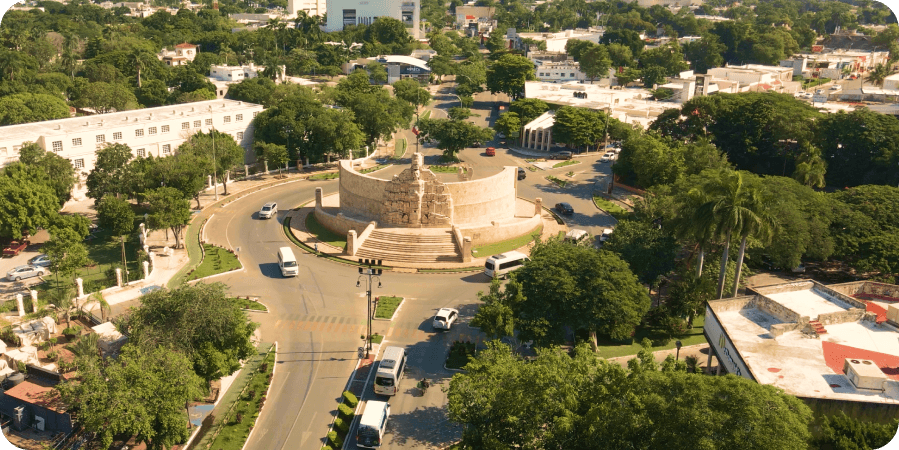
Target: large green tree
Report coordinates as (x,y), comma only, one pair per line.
(108,177)
(508,75)
(647,249)
(52,169)
(220,151)
(25,207)
(169,208)
(452,135)
(201,322)
(411,91)
(116,215)
(26,107)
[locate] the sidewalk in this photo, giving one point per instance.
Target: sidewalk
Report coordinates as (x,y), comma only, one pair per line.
(700,351)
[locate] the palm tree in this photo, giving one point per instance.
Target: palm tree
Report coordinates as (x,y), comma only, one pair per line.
(88,346)
(879,74)
(63,300)
(731,207)
(758,222)
(690,226)
(811,168)
(101,301)
(141,59)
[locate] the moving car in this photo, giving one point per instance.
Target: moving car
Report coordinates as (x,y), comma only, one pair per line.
(606,234)
(564,208)
(522,174)
(24,272)
(491,151)
(40,261)
(609,156)
(562,155)
(268,210)
(499,266)
(445,318)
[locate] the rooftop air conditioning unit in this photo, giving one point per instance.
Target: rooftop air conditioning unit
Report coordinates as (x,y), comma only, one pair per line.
(864,374)
(39,423)
(893,314)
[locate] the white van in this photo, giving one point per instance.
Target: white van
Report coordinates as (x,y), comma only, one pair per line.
(390,370)
(499,266)
(371,428)
(287,262)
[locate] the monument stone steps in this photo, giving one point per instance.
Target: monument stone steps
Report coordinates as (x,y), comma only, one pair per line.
(425,246)
(393,257)
(439,237)
(414,248)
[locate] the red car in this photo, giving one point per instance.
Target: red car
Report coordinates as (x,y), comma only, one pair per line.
(14,248)
(491,151)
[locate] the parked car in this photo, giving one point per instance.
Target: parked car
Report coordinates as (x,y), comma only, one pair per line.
(577,236)
(522,174)
(40,261)
(22,272)
(14,248)
(606,234)
(476,145)
(835,87)
(564,208)
(268,210)
(490,151)
(562,155)
(500,135)
(445,318)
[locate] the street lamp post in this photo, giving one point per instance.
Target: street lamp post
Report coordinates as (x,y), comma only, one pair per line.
(372,274)
(678,345)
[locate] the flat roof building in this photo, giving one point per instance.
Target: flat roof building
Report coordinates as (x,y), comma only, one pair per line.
(827,343)
(151,131)
(343,13)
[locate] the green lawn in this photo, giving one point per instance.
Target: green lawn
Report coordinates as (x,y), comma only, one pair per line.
(556,181)
(399,148)
(532,168)
(387,306)
(566,163)
(611,208)
(443,169)
(323,234)
(459,354)
(504,246)
(247,404)
(325,176)
(612,349)
(374,169)
(217,260)
(426,114)
(248,304)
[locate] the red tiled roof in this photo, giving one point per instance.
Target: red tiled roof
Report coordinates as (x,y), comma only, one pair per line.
(836,354)
(185,45)
(36,394)
(879,310)
(864,296)
(470,17)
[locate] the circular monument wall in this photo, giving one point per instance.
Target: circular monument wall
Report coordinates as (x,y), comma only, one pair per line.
(473,202)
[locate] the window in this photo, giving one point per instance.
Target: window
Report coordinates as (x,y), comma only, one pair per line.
(139,132)
(239,117)
(3,151)
(117,136)
(167,148)
(165,128)
(15,149)
(227,119)
(76,142)
(78,163)
(57,146)
(240,135)
(572,75)
(185,125)
(255,113)
(197,123)
(208,122)
(101,138)
(141,152)
(152,130)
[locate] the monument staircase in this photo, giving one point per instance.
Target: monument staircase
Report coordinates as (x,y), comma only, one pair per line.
(424,246)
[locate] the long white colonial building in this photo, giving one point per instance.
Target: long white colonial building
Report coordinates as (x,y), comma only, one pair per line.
(151,131)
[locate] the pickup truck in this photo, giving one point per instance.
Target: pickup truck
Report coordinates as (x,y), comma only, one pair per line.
(14,248)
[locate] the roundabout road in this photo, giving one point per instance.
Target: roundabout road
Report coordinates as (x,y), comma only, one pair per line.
(318,317)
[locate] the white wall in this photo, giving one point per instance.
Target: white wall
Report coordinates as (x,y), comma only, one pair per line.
(367,11)
(723,346)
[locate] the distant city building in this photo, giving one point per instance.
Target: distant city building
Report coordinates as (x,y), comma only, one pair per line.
(343,13)
(669,3)
(151,131)
(829,63)
(224,76)
(398,67)
(310,7)
(181,55)
(836,344)
(555,42)
(558,71)
(424,54)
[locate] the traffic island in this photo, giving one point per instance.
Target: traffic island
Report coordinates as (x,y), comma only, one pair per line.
(459,355)
(387,307)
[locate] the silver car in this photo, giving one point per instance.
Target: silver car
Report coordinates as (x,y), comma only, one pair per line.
(268,210)
(25,272)
(40,261)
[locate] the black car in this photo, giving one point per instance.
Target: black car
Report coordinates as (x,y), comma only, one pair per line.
(562,155)
(522,174)
(564,208)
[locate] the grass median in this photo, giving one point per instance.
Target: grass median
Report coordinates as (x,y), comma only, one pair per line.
(217,260)
(387,306)
(245,303)
(400,148)
(556,181)
(507,245)
(611,208)
(443,169)
(565,163)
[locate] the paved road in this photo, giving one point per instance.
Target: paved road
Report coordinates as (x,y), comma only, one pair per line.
(318,317)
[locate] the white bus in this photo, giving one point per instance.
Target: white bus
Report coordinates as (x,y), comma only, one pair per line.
(390,370)
(373,424)
(499,266)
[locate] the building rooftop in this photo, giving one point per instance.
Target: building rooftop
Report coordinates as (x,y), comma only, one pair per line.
(28,131)
(35,394)
(772,336)
(403,59)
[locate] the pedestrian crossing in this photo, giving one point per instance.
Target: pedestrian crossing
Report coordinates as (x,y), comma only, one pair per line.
(356,326)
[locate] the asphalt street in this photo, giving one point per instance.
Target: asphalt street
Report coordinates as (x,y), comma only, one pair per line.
(318,318)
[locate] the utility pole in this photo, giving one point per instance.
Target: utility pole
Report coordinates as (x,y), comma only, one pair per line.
(372,275)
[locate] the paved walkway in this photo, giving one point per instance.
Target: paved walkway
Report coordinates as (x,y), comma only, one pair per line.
(700,351)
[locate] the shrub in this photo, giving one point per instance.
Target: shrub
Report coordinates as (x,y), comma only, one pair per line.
(53,341)
(345,411)
(341,425)
(238,418)
(327,447)
(71,332)
(335,440)
(21,366)
(350,399)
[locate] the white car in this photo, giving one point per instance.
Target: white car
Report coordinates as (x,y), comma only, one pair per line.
(22,272)
(606,234)
(268,210)
(445,318)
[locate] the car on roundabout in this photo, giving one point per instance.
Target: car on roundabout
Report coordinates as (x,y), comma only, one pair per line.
(268,210)
(564,208)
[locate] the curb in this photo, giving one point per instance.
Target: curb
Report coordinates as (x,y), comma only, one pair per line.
(359,405)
